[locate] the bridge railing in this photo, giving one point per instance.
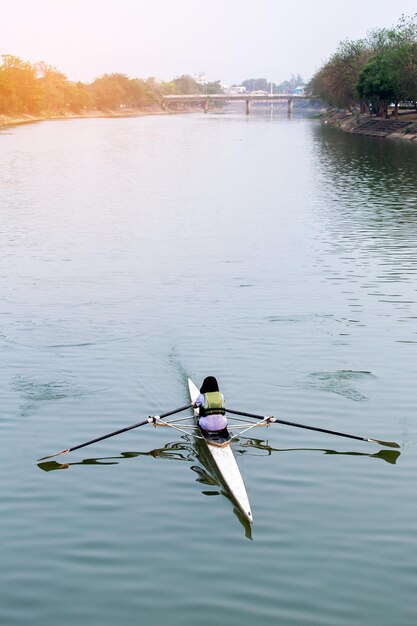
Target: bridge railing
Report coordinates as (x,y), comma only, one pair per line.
(204,99)
(242,97)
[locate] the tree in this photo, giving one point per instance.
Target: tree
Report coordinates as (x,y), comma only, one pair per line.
(79,98)
(54,89)
(6,93)
(169,88)
(390,77)
(19,89)
(256,84)
(336,81)
(110,91)
(405,59)
(213,87)
(378,83)
(186,85)
(376,70)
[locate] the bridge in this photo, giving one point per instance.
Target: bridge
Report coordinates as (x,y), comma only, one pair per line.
(205,99)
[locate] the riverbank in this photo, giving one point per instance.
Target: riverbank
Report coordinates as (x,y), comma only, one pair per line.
(404,128)
(7,121)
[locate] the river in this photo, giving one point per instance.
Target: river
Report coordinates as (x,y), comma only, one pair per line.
(277,254)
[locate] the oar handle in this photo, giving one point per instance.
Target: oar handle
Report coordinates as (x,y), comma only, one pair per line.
(182,408)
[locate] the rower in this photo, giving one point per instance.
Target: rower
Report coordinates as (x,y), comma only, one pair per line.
(211,406)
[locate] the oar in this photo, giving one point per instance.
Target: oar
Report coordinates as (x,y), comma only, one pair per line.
(116,432)
(388,444)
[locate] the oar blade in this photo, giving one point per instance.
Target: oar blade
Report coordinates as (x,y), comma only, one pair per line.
(51,456)
(387,444)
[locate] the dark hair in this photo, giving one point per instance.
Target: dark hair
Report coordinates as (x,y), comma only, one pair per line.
(209,384)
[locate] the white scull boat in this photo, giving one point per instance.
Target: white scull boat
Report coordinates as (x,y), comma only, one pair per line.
(224,459)
(220,457)
(217,444)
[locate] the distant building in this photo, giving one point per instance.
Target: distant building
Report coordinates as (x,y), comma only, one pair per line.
(300,90)
(200,79)
(234,89)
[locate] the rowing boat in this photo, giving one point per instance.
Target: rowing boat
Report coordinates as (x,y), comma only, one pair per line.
(222,454)
(218,444)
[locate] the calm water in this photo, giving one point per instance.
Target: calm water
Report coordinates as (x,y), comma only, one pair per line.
(279,255)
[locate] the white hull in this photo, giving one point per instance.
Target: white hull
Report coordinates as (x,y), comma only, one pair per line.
(225,461)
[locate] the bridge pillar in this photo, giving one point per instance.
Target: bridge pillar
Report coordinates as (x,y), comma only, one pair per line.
(247,107)
(290,101)
(206,105)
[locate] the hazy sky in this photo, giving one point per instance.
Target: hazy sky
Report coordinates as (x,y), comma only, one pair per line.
(228,40)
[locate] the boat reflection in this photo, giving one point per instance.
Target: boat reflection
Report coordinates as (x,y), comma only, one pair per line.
(190,450)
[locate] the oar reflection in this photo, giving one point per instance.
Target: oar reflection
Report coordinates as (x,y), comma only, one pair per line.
(390,456)
(175,452)
(191,450)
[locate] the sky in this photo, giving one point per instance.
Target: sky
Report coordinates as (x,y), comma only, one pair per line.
(227,40)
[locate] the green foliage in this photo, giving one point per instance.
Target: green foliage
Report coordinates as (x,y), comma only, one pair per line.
(42,89)
(213,87)
(256,84)
(186,85)
(378,82)
(19,88)
(405,59)
(79,97)
(335,83)
(110,91)
(118,91)
(169,88)
(371,72)
(53,87)
(390,76)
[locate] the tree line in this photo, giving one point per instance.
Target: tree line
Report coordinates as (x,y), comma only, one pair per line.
(262,84)
(373,72)
(40,89)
